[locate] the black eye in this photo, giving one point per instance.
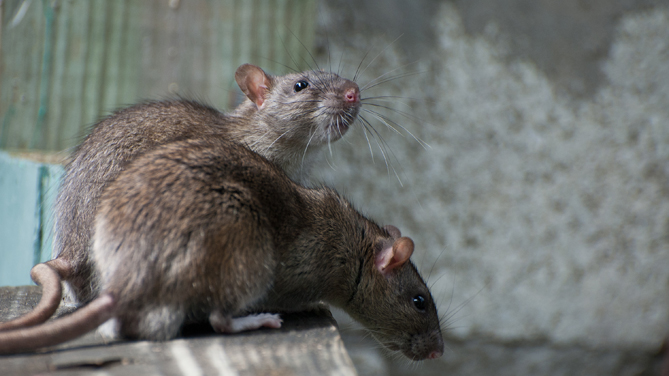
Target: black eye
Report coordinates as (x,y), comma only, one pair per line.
(419,302)
(301,85)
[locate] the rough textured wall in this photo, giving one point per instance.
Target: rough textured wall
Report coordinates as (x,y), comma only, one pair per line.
(541,208)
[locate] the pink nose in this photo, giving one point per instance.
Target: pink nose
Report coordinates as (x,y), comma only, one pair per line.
(352,95)
(435,355)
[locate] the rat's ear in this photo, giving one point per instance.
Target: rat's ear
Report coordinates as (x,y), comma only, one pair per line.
(394,256)
(254,82)
(392,231)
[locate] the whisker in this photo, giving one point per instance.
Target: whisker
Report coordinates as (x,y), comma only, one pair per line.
(438,278)
(329,145)
(393,78)
(379,54)
(357,71)
(379,118)
(389,96)
(332,166)
(373,81)
(283,43)
(277,139)
(301,101)
(383,140)
(377,142)
(429,274)
(259,139)
(364,131)
(341,58)
(345,139)
(463,304)
(403,113)
(306,49)
(281,64)
(383,152)
(307,147)
(424,144)
(387,99)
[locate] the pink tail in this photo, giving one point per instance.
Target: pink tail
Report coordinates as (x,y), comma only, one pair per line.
(64,329)
(48,275)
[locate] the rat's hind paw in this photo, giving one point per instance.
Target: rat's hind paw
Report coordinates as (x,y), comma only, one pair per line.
(222,324)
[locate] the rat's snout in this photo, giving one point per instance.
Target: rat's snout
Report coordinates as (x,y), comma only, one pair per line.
(351,93)
(427,346)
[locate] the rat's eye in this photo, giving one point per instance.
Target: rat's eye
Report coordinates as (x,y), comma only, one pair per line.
(301,85)
(419,302)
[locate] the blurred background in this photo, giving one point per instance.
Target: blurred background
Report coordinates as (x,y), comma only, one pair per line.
(539,207)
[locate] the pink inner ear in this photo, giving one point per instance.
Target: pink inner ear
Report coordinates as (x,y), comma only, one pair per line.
(254,82)
(394,256)
(259,86)
(403,249)
(383,258)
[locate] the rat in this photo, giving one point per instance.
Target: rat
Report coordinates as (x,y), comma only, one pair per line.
(206,228)
(284,118)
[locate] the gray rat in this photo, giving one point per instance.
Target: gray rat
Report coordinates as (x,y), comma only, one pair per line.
(209,229)
(284,118)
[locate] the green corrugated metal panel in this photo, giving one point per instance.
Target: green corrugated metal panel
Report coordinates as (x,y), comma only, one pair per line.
(64,64)
(27,192)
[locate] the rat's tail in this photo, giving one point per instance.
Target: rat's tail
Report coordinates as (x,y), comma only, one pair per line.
(61,330)
(48,275)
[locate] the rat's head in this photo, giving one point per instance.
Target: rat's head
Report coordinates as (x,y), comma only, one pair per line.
(394,303)
(307,108)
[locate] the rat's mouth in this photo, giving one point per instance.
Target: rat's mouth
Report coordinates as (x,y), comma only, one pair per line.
(414,356)
(339,125)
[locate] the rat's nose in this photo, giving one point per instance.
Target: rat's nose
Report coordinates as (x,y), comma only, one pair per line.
(435,354)
(352,95)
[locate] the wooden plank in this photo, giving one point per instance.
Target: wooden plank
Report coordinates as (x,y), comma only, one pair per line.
(307,344)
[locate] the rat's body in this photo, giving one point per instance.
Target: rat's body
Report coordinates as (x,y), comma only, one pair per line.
(284,119)
(207,228)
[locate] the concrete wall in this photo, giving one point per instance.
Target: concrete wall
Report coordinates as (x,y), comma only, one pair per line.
(540,210)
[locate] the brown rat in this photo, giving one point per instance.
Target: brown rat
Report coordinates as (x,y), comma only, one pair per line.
(284,118)
(208,228)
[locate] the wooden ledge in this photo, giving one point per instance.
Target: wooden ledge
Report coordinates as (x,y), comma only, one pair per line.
(307,344)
